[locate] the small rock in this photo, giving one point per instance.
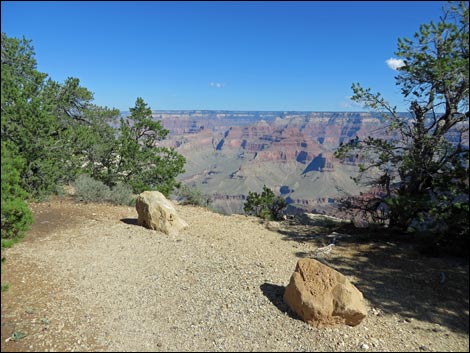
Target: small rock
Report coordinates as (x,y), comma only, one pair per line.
(365,346)
(376,312)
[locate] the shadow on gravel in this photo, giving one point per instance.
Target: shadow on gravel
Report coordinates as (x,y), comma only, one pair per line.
(398,279)
(131,221)
(394,276)
(275,295)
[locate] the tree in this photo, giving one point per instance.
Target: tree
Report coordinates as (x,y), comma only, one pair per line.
(423,169)
(60,133)
(48,123)
(25,121)
(265,205)
(16,217)
(141,162)
(100,146)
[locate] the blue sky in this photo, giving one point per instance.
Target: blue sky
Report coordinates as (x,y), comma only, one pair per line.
(221,55)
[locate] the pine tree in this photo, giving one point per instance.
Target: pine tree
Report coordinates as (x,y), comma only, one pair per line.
(422,169)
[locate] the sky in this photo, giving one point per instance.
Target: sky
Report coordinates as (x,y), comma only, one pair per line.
(240,55)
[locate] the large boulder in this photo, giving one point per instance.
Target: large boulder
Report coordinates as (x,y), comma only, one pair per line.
(322,296)
(156,212)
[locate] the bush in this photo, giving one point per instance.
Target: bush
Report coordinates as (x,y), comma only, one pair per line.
(16,217)
(121,194)
(91,190)
(188,195)
(265,205)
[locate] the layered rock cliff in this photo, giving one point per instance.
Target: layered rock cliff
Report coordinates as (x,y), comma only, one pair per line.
(231,153)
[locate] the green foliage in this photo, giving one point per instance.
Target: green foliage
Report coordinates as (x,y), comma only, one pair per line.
(25,119)
(8,243)
(265,205)
(60,134)
(16,217)
(422,175)
(48,122)
(91,190)
(79,126)
(130,153)
(144,164)
(100,147)
(192,196)
(6,285)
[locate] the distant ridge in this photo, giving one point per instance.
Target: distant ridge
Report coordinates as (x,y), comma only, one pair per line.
(288,112)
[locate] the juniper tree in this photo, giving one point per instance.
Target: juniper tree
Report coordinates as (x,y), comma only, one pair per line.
(265,205)
(142,162)
(422,169)
(50,124)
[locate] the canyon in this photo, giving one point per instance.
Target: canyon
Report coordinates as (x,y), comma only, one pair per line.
(229,153)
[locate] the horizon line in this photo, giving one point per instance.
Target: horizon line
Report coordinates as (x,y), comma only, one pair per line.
(263,111)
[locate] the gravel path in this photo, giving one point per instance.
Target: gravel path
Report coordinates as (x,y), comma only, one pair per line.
(104,283)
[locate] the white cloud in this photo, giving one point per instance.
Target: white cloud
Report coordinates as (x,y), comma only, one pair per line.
(217,84)
(351,105)
(395,64)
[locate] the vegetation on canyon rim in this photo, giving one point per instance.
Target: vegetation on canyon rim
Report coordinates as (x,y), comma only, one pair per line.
(422,178)
(51,133)
(265,205)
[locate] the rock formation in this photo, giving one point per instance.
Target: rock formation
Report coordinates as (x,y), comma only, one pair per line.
(322,296)
(232,153)
(156,212)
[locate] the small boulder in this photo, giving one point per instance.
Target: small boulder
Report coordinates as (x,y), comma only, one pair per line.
(156,212)
(322,296)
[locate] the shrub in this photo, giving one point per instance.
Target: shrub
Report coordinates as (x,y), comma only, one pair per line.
(265,205)
(121,194)
(188,195)
(91,190)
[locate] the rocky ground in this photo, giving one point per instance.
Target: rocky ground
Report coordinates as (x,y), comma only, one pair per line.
(88,278)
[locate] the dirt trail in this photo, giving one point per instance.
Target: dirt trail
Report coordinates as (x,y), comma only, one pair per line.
(87,278)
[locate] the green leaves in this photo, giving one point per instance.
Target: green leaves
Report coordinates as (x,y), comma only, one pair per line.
(265,205)
(16,217)
(437,59)
(144,164)
(421,169)
(45,120)
(59,133)
(51,132)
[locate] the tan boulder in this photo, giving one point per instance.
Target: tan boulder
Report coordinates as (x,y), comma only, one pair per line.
(156,212)
(322,296)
